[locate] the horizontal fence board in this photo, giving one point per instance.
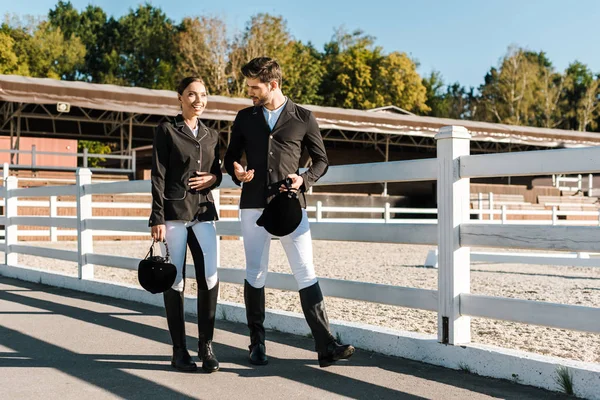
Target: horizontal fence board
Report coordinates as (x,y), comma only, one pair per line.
(376,293)
(569,260)
(425,233)
(61,222)
(423,299)
(124,187)
(392,171)
(375,232)
(114,261)
(45,191)
(566,238)
(541,162)
(563,316)
(119,224)
(65,255)
(229,228)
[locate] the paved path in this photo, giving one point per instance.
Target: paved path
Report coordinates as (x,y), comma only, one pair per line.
(62,344)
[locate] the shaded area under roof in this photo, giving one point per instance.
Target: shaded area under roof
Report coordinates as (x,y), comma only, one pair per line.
(20,89)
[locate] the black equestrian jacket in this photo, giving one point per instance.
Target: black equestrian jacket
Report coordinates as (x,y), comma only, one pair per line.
(176,156)
(275,154)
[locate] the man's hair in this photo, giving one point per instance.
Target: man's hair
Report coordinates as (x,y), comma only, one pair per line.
(264,68)
(185,82)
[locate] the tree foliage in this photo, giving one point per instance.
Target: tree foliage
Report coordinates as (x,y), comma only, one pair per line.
(146,48)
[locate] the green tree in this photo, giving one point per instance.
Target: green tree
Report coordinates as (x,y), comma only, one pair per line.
(93,147)
(98,34)
(42,50)
(509,93)
(579,78)
(397,82)
(360,75)
(203,48)
(146,52)
(9,62)
(265,36)
(436,97)
(588,108)
(303,73)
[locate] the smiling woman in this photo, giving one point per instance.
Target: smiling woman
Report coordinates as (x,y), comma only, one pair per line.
(185,168)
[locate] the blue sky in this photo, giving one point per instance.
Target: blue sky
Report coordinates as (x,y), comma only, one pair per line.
(462,38)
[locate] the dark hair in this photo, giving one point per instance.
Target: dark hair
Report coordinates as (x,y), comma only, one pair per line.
(185,82)
(264,68)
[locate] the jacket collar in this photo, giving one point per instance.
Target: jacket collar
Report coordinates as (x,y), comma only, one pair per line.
(289,111)
(184,129)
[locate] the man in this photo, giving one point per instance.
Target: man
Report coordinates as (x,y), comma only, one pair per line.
(273,134)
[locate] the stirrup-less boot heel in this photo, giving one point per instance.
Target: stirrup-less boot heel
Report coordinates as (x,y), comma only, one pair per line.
(328,349)
(181,359)
(255,313)
(207,306)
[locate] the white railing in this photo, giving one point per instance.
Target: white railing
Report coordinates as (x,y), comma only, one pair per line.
(129,160)
(454,233)
(559,180)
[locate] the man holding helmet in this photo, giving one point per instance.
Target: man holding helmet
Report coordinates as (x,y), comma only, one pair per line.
(272,134)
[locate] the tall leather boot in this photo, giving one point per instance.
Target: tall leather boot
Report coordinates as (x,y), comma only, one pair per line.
(181,360)
(255,313)
(328,349)
(207,307)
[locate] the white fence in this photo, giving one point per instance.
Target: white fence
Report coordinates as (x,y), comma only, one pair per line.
(128,162)
(454,233)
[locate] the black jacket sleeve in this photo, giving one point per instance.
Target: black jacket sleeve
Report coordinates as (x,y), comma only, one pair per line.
(313,142)
(160,160)
(234,150)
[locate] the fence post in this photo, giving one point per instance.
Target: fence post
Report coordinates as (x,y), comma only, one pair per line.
(491,205)
(10,230)
(53,214)
(33,156)
(554,215)
(133,164)
(590,185)
(503,216)
(85,244)
(319,213)
(85,157)
(386,213)
(453,260)
(480,203)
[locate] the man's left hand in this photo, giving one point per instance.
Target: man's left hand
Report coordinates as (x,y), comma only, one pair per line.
(297,182)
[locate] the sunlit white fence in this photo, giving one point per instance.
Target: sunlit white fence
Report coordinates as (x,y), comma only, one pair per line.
(454,233)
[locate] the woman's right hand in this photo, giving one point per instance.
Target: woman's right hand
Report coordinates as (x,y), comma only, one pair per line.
(158,232)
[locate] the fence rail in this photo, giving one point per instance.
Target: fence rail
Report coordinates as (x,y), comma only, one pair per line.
(129,160)
(453,232)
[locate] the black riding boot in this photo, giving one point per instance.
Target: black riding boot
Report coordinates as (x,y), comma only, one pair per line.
(255,313)
(181,360)
(328,349)
(207,307)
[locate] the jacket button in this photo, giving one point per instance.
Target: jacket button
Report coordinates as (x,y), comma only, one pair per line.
(197,146)
(269,186)
(270,169)
(271,153)
(271,137)
(198,161)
